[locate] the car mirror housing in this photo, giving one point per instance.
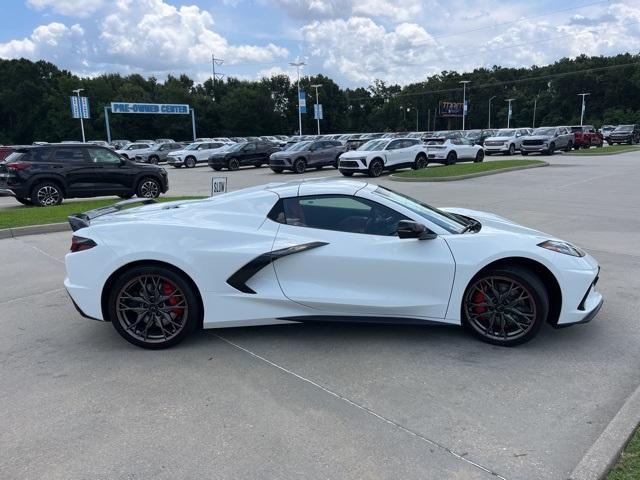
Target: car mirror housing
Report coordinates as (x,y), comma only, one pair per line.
(411,229)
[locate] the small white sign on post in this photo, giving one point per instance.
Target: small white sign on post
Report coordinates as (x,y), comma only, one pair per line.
(218,185)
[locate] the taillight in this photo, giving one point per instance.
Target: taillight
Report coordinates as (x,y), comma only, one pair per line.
(79,244)
(18,166)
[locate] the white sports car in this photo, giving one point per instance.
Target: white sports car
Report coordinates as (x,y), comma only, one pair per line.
(321,250)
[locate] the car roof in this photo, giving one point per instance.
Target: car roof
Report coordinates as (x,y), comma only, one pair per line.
(316,186)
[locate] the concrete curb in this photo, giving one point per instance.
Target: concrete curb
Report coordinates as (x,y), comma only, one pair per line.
(396,178)
(605,451)
(34,230)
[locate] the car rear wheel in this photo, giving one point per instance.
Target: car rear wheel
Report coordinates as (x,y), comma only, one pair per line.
(479,156)
(234,164)
(376,167)
(190,162)
(505,306)
(451,158)
(148,188)
(46,194)
(153,307)
(300,165)
(420,162)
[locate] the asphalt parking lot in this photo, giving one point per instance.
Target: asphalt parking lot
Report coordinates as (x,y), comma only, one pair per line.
(329,401)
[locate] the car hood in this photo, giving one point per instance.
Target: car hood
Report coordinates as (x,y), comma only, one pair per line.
(537,137)
(144,151)
(283,154)
(622,134)
(357,153)
(498,139)
(491,221)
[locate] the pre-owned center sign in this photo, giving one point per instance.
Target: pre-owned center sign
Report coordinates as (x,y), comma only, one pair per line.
(156,108)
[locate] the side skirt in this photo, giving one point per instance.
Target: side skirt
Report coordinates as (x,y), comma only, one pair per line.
(362,319)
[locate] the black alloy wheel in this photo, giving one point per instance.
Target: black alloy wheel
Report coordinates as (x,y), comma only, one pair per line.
(153,307)
(505,306)
(190,162)
(234,164)
(376,167)
(46,194)
(300,165)
(148,188)
(479,156)
(153,160)
(421,162)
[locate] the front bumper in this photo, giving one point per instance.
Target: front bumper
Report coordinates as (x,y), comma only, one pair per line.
(217,162)
(620,139)
(581,301)
(353,164)
(495,148)
(175,161)
(534,148)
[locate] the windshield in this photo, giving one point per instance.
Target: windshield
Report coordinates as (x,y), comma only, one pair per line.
(192,146)
(236,147)
(300,146)
(544,131)
(624,128)
(445,220)
(505,132)
(372,145)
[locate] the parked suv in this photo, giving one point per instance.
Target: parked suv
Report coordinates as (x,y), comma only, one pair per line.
(506,141)
(586,136)
(547,140)
(157,153)
(303,155)
(251,153)
(625,134)
(45,175)
(194,153)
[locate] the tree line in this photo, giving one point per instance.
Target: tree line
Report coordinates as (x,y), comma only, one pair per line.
(34,101)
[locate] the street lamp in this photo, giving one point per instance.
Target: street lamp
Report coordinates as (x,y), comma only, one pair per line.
(317,112)
(464,100)
(417,113)
(490,110)
(77,92)
(535,106)
(298,64)
(583,95)
(509,112)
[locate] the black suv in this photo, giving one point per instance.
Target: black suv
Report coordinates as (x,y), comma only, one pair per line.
(625,134)
(45,175)
(249,153)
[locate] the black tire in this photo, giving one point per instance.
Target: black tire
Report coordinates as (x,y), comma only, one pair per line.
(177,165)
(24,201)
(319,167)
(277,169)
(234,164)
(183,320)
(258,165)
(376,167)
(452,157)
(551,149)
(569,147)
(190,162)
(346,173)
(126,197)
(511,151)
(299,165)
(337,162)
(46,194)
(477,305)
(420,162)
(153,160)
(217,169)
(148,187)
(479,156)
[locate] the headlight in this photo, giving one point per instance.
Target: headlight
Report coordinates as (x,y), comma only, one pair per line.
(562,247)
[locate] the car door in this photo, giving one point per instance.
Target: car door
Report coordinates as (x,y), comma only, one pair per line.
(112,175)
(248,154)
(466,149)
(349,260)
(317,154)
(79,170)
(393,152)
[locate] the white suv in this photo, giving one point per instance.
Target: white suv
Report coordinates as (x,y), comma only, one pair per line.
(194,153)
(506,141)
(381,154)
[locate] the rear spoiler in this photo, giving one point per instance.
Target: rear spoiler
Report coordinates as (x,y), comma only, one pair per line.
(82,220)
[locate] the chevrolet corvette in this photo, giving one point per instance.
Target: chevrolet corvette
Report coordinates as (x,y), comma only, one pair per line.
(321,250)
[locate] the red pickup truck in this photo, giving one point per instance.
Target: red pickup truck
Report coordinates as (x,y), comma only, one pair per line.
(586,136)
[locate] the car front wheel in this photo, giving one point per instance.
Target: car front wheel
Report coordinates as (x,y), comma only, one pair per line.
(451,158)
(148,188)
(420,162)
(46,194)
(299,166)
(153,307)
(479,156)
(505,306)
(234,164)
(376,167)
(190,162)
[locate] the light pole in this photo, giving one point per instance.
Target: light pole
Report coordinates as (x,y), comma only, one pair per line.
(464,100)
(490,110)
(535,106)
(298,64)
(583,95)
(509,112)
(77,92)
(317,86)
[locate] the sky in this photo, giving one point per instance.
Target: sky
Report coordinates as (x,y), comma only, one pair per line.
(352,41)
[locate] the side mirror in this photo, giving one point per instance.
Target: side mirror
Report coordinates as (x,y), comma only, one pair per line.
(411,229)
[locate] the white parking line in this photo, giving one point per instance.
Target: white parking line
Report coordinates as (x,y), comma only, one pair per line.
(365,409)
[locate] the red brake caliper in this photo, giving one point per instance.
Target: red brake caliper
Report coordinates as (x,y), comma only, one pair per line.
(479,297)
(169,289)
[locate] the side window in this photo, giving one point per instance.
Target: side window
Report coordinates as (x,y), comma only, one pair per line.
(75,155)
(249,147)
(341,213)
(394,145)
(101,155)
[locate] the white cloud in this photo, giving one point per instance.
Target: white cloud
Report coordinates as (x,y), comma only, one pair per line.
(396,10)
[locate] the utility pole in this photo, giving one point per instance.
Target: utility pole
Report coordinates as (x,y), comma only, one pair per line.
(77,92)
(429,120)
(490,110)
(583,95)
(215,61)
(535,106)
(509,112)
(316,86)
(298,64)
(464,100)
